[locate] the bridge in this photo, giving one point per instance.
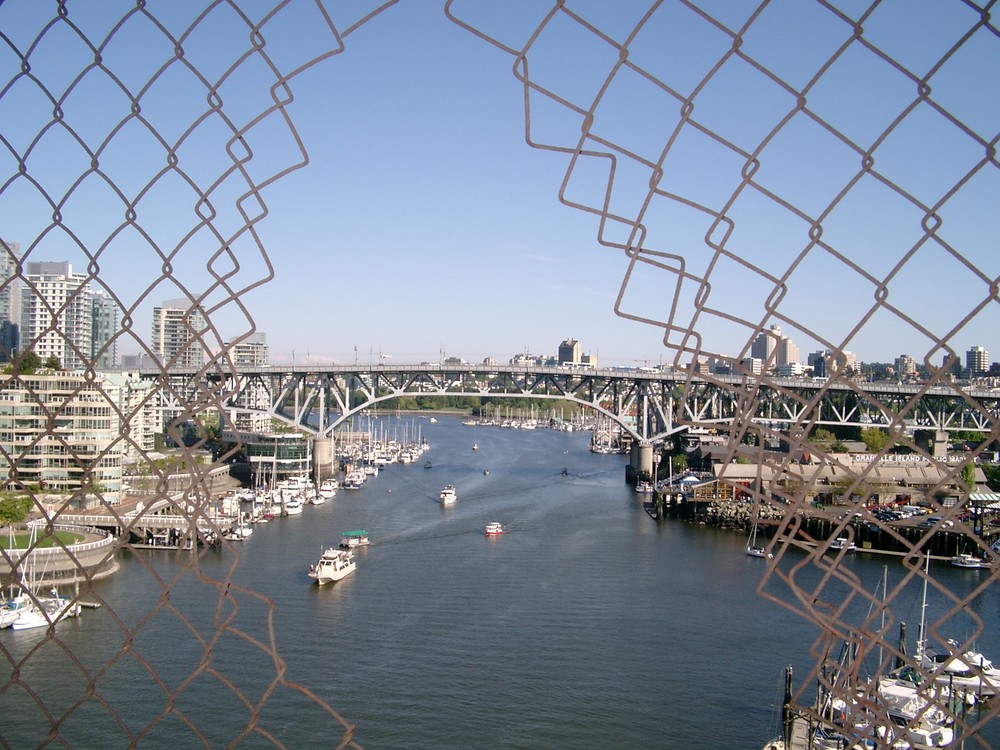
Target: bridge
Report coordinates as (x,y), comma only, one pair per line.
(650,405)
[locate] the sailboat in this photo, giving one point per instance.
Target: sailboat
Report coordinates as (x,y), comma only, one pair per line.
(754,549)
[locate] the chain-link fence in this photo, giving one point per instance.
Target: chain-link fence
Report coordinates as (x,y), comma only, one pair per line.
(849,197)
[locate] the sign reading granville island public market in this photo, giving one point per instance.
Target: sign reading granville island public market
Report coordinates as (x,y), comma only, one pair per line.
(906,458)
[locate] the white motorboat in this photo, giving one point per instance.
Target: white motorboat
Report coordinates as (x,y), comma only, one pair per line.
(354,480)
(332,565)
(644,488)
(328,489)
(448,495)
(969,671)
(843,542)
(357,538)
(965,560)
(494,528)
(238,532)
(292,506)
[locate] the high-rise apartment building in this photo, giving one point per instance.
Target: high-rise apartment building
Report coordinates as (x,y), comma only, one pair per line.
(177,326)
(62,316)
(906,366)
(79,453)
(977,361)
(251,352)
(10,299)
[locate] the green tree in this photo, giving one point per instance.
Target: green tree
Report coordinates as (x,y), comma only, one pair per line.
(968,475)
(52,362)
(992,472)
(14,509)
(26,364)
(875,438)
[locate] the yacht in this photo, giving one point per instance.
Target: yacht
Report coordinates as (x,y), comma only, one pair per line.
(332,565)
(448,495)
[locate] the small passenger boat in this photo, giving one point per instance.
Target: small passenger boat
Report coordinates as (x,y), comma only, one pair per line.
(965,560)
(332,565)
(843,542)
(356,538)
(493,528)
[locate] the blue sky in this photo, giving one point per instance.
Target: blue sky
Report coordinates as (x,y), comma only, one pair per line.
(425,225)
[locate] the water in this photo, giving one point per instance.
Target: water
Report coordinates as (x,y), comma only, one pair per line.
(585,625)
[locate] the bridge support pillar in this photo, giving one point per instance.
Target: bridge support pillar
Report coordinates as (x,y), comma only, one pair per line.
(322,456)
(640,463)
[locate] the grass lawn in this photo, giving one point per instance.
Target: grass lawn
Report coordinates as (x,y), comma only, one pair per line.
(22,539)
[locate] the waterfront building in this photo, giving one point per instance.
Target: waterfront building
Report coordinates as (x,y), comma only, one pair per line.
(77,455)
(10,299)
(276,455)
(977,361)
(63,316)
(752,365)
(177,326)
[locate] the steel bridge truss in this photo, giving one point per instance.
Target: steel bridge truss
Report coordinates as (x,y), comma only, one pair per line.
(650,406)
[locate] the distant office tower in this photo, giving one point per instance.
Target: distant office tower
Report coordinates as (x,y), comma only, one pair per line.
(10,299)
(252,352)
(977,361)
(569,352)
(177,325)
(817,361)
(62,316)
(788,353)
(906,366)
(763,347)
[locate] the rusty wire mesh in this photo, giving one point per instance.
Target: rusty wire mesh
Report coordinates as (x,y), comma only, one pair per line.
(143,93)
(652,187)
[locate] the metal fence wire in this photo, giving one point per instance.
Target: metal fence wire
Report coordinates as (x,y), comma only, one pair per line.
(101,108)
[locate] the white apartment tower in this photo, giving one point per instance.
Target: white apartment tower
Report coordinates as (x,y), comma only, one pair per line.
(977,361)
(251,352)
(62,316)
(79,454)
(177,325)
